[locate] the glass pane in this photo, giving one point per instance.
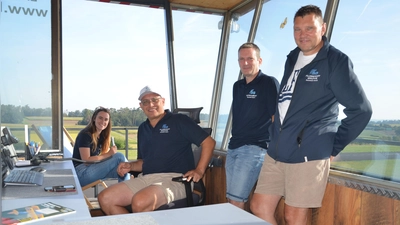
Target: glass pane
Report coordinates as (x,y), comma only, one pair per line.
(196,46)
(367,32)
(238,36)
(110,52)
(25,68)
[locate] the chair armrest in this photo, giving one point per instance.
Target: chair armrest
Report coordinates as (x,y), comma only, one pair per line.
(188,189)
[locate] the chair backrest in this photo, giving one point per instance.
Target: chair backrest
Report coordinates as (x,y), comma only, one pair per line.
(193,113)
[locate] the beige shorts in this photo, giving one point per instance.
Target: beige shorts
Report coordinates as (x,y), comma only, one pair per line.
(301,184)
(172,190)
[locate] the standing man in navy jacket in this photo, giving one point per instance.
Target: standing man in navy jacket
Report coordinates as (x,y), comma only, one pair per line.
(304,136)
(253,108)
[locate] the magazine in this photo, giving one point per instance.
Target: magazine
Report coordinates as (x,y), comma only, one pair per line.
(33,213)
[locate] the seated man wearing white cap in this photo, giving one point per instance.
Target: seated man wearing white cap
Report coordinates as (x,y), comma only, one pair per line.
(164,152)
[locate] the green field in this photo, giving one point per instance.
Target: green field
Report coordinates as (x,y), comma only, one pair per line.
(380,168)
(70,123)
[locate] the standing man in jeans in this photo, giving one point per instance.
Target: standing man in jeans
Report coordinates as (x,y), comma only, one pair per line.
(253,108)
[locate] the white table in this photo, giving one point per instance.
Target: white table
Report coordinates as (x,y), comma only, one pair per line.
(217,214)
(75,201)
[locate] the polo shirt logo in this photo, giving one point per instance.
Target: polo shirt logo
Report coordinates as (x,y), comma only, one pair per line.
(252,94)
(312,76)
(164,129)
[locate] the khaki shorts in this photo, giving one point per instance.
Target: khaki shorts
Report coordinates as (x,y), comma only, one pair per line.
(301,184)
(172,190)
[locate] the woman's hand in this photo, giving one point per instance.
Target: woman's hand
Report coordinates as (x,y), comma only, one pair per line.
(113,150)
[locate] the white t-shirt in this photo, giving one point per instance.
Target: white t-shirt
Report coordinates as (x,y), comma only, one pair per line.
(285,97)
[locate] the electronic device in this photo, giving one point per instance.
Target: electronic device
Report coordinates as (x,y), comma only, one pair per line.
(19,177)
(60,188)
(38,169)
(179,179)
(8,138)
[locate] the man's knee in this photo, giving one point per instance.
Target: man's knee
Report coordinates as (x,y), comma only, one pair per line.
(104,199)
(140,204)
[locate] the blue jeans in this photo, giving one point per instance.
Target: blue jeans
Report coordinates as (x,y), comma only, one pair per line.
(242,168)
(88,173)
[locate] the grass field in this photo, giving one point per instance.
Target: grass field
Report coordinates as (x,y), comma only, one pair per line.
(70,123)
(380,168)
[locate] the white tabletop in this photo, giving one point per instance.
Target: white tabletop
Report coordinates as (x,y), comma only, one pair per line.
(75,201)
(217,214)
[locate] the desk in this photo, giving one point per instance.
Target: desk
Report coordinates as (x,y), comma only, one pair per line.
(217,214)
(75,201)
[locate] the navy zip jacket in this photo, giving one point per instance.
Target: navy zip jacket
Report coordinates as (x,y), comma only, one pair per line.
(308,131)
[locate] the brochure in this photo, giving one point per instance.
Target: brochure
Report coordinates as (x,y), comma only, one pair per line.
(33,213)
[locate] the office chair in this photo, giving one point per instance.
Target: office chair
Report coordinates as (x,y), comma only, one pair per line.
(93,203)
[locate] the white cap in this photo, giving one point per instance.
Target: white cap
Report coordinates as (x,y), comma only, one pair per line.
(146,90)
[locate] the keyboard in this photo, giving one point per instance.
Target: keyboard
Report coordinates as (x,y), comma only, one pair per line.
(24,177)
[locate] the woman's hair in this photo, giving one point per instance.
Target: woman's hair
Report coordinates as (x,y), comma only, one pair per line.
(105,134)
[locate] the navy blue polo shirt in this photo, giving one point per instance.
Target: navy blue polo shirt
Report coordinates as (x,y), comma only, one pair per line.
(167,147)
(253,106)
(84,139)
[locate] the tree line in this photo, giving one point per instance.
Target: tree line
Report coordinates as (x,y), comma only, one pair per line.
(119,117)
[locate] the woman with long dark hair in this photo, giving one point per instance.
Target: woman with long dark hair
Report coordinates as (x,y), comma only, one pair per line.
(93,144)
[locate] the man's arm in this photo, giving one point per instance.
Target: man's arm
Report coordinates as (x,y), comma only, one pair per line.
(206,153)
(349,92)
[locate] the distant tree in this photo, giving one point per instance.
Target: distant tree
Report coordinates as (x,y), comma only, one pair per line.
(11,114)
(76,113)
(397,131)
(87,115)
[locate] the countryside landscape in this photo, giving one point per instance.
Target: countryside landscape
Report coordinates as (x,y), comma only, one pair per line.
(376,152)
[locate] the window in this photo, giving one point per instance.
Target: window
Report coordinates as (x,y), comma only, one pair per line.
(25,68)
(238,36)
(367,32)
(196,45)
(110,52)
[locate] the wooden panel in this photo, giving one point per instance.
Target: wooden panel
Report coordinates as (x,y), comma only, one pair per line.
(212,4)
(215,182)
(396,212)
(376,209)
(347,206)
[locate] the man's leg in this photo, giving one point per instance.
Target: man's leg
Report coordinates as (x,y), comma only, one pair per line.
(113,199)
(242,168)
(237,204)
(305,189)
(295,215)
(148,199)
(264,206)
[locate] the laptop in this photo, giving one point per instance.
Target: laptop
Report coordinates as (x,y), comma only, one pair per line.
(19,177)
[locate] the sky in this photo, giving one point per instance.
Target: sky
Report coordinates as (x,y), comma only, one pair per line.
(111,51)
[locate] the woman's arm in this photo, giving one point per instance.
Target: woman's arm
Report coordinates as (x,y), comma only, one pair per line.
(85,154)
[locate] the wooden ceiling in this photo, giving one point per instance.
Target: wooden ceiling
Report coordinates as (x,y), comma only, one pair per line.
(210,4)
